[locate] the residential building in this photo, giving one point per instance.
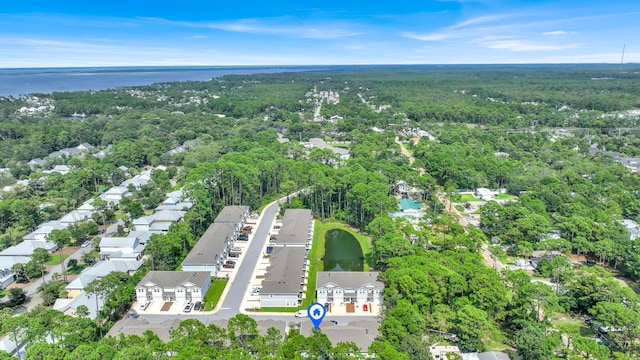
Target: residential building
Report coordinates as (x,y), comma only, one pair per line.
(285,281)
(7,277)
(158,222)
(487,355)
(234,214)
(175,201)
(121,248)
(632,228)
(209,253)
(296,230)
(100,270)
(69,306)
(44,230)
(440,352)
(25,249)
(321,144)
(138,181)
(349,287)
(86,208)
(74,217)
(173,286)
(115,194)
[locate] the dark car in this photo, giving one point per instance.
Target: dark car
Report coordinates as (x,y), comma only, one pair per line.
(230,262)
(22,280)
(197,306)
(243,237)
(234,255)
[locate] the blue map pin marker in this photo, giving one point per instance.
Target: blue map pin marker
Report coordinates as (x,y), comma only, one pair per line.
(316,312)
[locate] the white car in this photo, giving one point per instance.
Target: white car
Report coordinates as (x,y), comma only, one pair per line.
(301,313)
(85,244)
(144,306)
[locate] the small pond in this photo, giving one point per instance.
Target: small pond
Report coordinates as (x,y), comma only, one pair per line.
(342,252)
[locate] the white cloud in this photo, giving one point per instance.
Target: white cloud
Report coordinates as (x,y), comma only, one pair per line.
(272,26)
(524,45)
(428,37)
(555,33)
(479,20)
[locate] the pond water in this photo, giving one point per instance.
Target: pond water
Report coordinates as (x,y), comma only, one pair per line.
(342,252)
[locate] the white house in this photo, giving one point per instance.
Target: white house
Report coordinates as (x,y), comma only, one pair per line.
(349,287)
(178,286)
(74,217)
(115,194)
(485,194)
(27,247)
(7,277)
(175,201)
(121,248)
(44,230)
(632,228)
(440,352)
(100,270)
(143,223)
(86,208)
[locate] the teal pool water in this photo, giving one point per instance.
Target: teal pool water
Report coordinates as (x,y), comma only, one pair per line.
(342,252)
(406,204)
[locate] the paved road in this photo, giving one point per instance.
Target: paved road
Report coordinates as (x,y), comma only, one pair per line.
(231,304)
(33,296)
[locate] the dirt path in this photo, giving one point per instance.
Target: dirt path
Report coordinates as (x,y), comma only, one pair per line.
(489,259)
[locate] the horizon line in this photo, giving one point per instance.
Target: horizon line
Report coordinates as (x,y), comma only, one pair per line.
(314,65)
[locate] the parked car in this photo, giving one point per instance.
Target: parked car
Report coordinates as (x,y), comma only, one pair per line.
(228,266)
(234,255)
(247,228)
(236,249)
(22,280)
(255,291)
(230,262)
(301,313)
(85,244)
(197,306)
(243,237)
(144,305)
(188,307)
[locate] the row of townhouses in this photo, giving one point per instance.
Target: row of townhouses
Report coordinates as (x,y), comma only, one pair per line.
(202,263)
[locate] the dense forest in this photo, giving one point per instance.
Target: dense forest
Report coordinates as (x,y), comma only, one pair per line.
(525,129)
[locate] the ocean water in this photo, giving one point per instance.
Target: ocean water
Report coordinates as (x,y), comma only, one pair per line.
(16,82)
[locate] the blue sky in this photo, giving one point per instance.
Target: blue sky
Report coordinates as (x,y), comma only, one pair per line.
(44,33)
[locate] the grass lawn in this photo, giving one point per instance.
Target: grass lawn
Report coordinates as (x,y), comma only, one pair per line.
(56,259)
(317,253)
(214,293)
(280,309)
(506,197)
(468,198)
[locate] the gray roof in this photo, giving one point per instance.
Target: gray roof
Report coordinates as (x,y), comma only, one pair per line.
(348,279)
(320,143)
(143,236)
(27,247)
(119,242)
(207,250)
(295,227)
(232,214)
(168,215)
(171,279)
(103,268)
(85,299)
(362,333)
(489,355)
(284,274)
